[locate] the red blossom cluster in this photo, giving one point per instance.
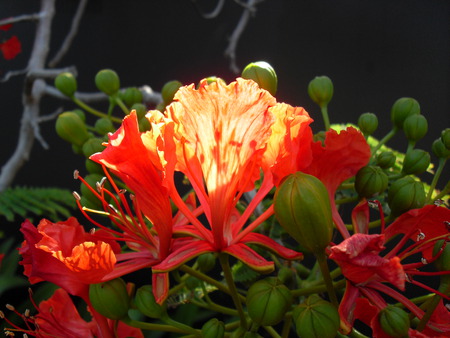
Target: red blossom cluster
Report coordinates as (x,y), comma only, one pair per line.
(10,47)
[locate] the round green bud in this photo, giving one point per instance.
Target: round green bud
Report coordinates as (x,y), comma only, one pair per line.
(92,146)
(415,127)
(405,194)
(267,301)
(71,128)
(211,79)
(302,207)
(442,263)
(131,96)
(87,193)
(213,328)
(206,262)
(192,282)
(370,181)
(263,74)
(161,106)
(316,318)
(140,109)
(146,304)
(66,84)
(169,89)
(386,159)
(93,167)
(445,138)
(110,299)
(394,321)
(107,81)
(144,125)
(403,108)
(439,149)
(416,162)
(368,123)
(80,113)
(320,90)
(104,125)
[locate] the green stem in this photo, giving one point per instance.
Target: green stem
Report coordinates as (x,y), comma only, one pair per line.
(356,334)
(122,105)
(326,119)
(181,326)
(273,333)
(223,259)
(316,289)
(436,178)
(286,326)
(431,306)
(322,259)
(94,111)
(384,140)
(152,326)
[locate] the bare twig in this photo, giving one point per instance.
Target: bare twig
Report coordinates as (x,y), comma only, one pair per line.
(12,73)
(230,52)
(19,18)
(71,35)
(33,91)
(214,13)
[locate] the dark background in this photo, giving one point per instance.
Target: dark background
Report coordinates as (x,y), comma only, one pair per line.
(374,51)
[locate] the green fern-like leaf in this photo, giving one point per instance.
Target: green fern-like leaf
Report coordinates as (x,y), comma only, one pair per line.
(52,203)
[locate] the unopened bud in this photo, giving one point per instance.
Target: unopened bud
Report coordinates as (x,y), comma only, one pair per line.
(302,206)
(140,110)
(445,138)
(206,262)
(386,159)
(92,146)
(415,127)
(316,318)
(320,90)
(169,89)
(110,299)
(368,123)
(394,321)
(104,126)
(66,84)
(267,301)
(107,81)
(213,328)
(370,181)
(71,128)
(146,304)
(416,161)
(402,109)
(440,150)
(131,96)
(405,194)
(263,74)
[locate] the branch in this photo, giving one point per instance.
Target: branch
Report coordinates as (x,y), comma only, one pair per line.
(214,13)
(33,91)
(230,52)
(19,18)
(71,35)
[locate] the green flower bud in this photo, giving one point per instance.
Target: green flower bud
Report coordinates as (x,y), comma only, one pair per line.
(110,299)
(93,167)
(368,123)
(370,181)
(161,106)
(66,84)
(320,90)
(146,304)
(267,301)
(144,125)
(211,79)
(206,262)
(213,328)
(285,274)
(415,127)
(92,146)
(140,109)
(107,81)
(442,263)
(169,89)
(394,321)
(91,180)
(302,206)
(71,128)
(192,282)
(416,162)
(445,138)
(263,74)
(104,126)
(77,149)
(131,96)
(439,149)
(316,318)
(405,194)
(238,333)
(403,108)
(80,113)
(386,159)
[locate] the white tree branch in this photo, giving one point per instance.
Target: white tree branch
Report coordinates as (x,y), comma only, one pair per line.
(19,18)
(214,13)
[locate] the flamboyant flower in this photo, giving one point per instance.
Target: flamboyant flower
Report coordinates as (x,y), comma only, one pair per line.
(368,267)
(340,158)
(11,47)
(58,317)
(64,254)
(224,138)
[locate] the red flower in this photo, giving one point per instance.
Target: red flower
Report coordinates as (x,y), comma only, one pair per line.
(64,254)
(340,158)
(58,317)
(367,271)
(11,47)
(222,137)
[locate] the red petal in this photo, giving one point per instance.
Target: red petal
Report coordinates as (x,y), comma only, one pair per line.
(10,48)
(248,256)
(269,244)
(360,217)
(160,285)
